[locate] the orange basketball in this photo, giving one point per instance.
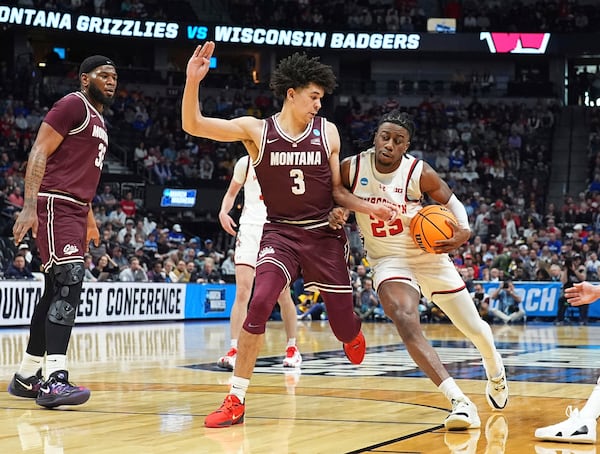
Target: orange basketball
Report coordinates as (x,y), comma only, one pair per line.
(429,225)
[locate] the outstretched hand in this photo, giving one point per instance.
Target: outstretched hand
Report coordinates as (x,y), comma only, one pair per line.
(199,62)
(582,293)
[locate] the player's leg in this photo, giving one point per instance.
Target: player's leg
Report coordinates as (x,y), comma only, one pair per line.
(272,276)
(62,222)
(440,285)
(324,266)
(27,381)
(400,302)
(288,314)
(67,281)
(244,279)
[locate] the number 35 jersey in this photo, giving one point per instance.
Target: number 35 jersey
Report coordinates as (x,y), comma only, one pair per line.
(294,173)
(75,167)
(401,188)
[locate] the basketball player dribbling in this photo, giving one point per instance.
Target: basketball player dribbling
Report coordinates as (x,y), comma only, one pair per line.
(295,154)
(402,270)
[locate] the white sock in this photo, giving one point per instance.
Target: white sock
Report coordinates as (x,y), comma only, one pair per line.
(591,409)
(291,342)
(238,387)
(451,390)
(233,343)
(30,365)
(54,363)
(494,367)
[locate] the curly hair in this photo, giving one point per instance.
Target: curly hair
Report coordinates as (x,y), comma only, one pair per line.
(298,71)
(399,118)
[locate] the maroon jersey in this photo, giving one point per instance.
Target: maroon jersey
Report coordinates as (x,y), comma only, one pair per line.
(294,173)
(75,167)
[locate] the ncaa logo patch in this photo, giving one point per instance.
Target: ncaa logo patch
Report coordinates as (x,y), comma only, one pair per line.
(316,132)
(364,181)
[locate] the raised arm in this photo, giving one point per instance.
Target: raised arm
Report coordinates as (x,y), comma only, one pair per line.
(192,120)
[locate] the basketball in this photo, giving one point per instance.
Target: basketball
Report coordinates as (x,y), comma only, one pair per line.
(429,225)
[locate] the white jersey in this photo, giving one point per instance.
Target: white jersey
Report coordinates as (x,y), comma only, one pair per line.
(391,251)
(254,211)
(401,188)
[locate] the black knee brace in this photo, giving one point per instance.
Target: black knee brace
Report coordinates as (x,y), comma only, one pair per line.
(68,280)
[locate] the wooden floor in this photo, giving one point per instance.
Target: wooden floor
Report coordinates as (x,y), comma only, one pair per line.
(153,384)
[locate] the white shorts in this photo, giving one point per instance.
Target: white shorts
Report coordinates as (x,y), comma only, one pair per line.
(247,244)
(428,273)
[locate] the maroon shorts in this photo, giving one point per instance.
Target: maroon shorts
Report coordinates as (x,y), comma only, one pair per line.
(62,229)
(320,254)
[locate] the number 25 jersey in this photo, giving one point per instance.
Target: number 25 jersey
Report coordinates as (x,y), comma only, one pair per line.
(401,188)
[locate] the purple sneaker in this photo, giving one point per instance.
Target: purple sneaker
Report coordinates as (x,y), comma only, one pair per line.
(26,386)
(58,391)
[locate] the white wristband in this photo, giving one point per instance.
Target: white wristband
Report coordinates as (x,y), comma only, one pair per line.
(459,211)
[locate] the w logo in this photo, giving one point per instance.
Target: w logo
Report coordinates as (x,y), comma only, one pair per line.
(516,43)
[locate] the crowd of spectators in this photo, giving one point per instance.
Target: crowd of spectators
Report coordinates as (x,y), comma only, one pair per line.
(407,16)
(134,9)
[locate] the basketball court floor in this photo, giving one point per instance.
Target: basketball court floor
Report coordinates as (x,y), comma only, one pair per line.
(153,384)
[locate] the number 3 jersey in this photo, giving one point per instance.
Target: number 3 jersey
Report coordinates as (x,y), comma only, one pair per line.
(75,167)
(294,173)
(401,188)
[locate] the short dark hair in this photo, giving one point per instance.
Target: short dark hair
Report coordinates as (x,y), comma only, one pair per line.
(399,118)
(299,70)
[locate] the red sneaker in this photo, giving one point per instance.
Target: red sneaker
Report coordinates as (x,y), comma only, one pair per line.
(355,350)
(231,412)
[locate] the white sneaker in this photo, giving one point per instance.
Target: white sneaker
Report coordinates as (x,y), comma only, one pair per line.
(496,433)
(228,361)
(463,416)
(292,357)
(496,392)
(573,430)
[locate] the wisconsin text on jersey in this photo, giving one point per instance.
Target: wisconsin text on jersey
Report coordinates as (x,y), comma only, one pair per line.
(295,158)
(377,200)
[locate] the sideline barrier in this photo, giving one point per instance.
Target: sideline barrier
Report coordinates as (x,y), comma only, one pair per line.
(107,302)
(540,299)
